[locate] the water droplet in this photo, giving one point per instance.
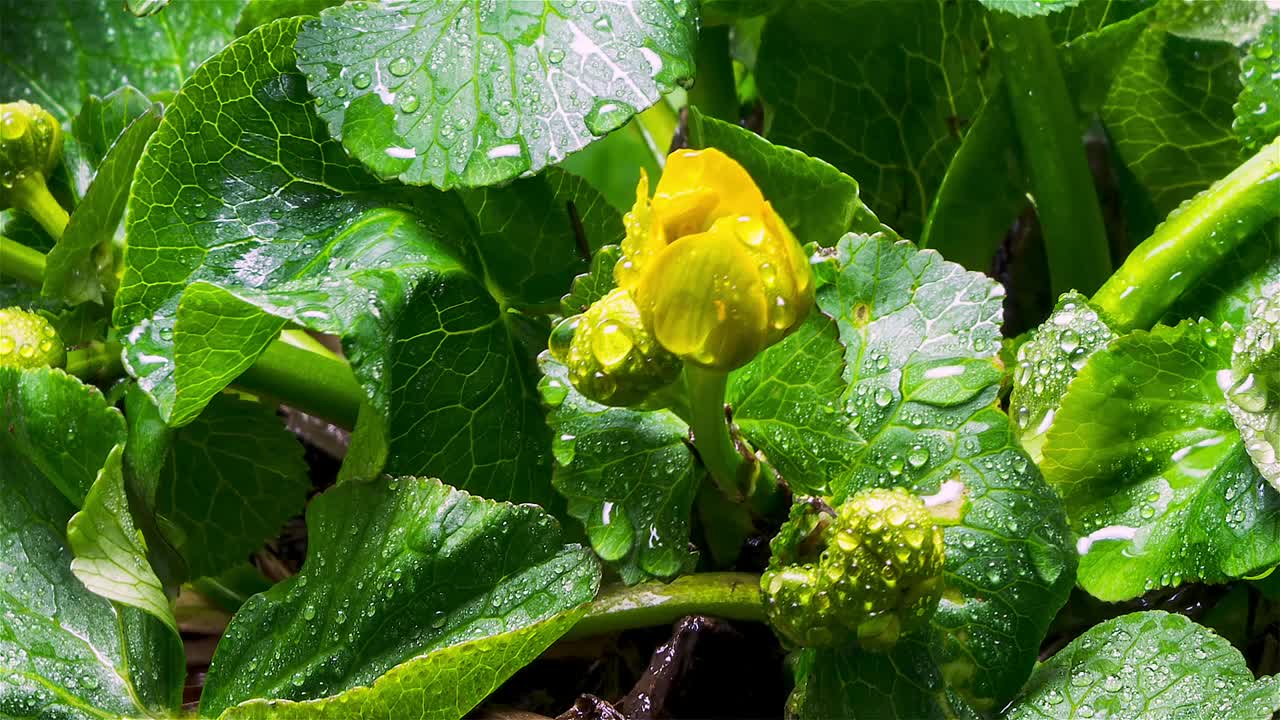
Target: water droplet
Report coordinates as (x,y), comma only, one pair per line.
(361,80)
(401,66)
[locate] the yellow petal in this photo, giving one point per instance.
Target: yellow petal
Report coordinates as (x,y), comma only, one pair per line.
(704,300)
(699,187)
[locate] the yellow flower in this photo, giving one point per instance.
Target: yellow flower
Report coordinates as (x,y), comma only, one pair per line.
(714,271)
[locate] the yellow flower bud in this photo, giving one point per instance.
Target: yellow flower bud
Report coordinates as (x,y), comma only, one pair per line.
(612,358)
(30,142)
(27,340)
(714,271)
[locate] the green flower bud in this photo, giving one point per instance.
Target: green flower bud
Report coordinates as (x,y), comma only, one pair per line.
(870,569)
(29,341)
(612,358)
(30,143)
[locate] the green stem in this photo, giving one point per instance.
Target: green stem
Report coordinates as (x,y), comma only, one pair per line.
(658,124)
(96,362)
(732,596)
(1066,201)
(1192,241)
(318,384)
(711,430)
(30,195)
(715,93)
(232,588)
(21,263)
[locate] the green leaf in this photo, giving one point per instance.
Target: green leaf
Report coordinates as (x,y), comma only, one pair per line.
(1254,397)
(65,651)
(855,684)
(474,94)
(593,284)
(80,260)
(985,186)
(63,428)
(1047,363)
(527,234)
(211,277)
(230,481)
(818,202)
(419,568)
(629,475)
(1029,8)
(58,53)
(1225,293)
(1152,470)
(1237,23)
(1258,107)
(442,685)
(1153,665)
(787,404)
(110,554)
(906,314)
(1169,114)
(257,13)
(887,109)
(612,164)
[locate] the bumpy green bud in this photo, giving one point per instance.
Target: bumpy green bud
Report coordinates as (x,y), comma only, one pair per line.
(30,142)
(29,341)
(612,358)
(870,569)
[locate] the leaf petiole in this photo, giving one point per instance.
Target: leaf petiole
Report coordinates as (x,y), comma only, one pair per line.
(733,596)
(1192,241)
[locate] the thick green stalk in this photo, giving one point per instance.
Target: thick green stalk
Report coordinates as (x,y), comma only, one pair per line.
(318,384)
(1192,241)
(1049,134)
(31,195)
(714,92)
(711,430)
(732,596)
(20,262)
(96,362)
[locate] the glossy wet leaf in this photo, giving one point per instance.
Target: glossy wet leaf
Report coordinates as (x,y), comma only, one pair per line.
(65,650)
(1254,396)
(82,259)
(229,482)
(528,234)
(422,568)
(1151,665)
(143,8)
(1169,114)
(1226,21)
(629,475)
(786,403)
(58,53)
(110,553)
(852,683)
(906,314)
(220,257)
(256,13)
(818,202)
(1048,361)
(1029,8)
(1258,107)
(1153,472)
(887,106)
(61,426)
(441,685)
(474,94)
(593,284)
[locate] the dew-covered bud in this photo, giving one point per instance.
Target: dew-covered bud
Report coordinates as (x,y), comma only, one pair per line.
(612,358)
(30,143)
(870,569)
(714,271)
(29,341)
